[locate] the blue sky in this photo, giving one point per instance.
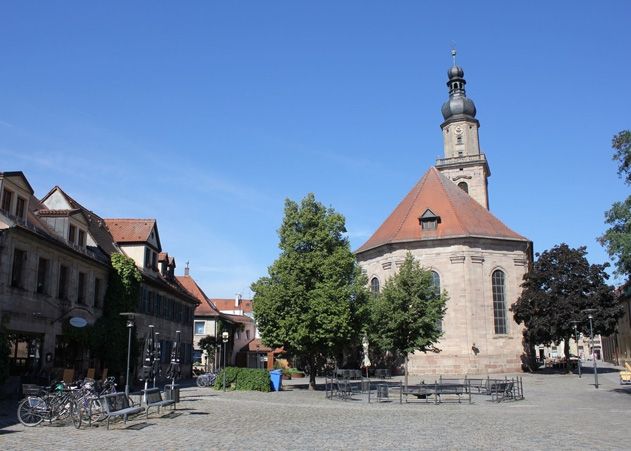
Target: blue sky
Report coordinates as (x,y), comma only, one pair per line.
(207,115)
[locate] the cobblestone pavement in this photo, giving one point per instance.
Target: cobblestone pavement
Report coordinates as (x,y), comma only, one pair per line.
(559,412)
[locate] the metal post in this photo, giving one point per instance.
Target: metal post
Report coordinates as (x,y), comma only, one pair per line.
(578,356)
(224,337)
(591,339)
(130,324)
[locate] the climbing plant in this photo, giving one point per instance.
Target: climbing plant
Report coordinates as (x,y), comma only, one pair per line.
(109,335)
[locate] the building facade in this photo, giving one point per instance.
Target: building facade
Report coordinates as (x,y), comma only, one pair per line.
(445,223)
(54,271)
(53,276)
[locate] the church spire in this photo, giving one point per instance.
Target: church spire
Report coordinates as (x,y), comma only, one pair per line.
(459,106)
(463,162)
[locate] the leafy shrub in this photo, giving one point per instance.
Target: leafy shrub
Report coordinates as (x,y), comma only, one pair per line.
(243,379)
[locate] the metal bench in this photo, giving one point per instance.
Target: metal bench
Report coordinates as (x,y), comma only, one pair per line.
(153,398)
(117,404)
(502,390)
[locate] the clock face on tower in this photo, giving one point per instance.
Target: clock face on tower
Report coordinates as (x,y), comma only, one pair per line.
(458,130)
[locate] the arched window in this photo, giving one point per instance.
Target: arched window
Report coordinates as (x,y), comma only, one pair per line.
(436,282)
(499,302)
(374,285)
(436,285)
(464,187)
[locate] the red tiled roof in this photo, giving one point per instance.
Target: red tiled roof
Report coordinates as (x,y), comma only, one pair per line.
(239,318)
(48,213)
(257,346)
(163,257)
(460,215)
(130,230)
(205,307)
(228,305)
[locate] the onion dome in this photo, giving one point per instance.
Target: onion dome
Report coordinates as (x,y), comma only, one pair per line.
(459,106)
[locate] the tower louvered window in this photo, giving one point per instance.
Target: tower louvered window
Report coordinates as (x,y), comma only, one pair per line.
(499,302)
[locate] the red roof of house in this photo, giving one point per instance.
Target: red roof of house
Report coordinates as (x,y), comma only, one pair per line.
(228,305)
(256,345)
(460,215)
(238,318)
(205,307)
(130,230)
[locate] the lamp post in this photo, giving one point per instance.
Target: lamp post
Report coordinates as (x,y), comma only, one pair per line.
(591,343)
(578,357)
(130,325)
(224,336)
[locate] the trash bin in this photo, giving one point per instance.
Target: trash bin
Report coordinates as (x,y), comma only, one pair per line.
(172,392)
(276,377)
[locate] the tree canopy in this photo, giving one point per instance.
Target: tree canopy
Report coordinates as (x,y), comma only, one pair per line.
(407,315)
(557,290)
(314,292)
(617,239)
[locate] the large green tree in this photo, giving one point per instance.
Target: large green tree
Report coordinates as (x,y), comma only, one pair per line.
(617,239)
(557,290)
(407,315)
(311,300)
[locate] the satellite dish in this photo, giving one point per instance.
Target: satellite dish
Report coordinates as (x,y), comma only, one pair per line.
(77,321)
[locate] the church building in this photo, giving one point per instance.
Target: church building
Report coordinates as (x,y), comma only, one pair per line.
(445,222)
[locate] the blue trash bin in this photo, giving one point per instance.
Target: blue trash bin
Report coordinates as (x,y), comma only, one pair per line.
(276,376)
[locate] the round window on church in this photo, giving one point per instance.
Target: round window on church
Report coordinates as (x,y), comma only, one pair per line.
(464,187)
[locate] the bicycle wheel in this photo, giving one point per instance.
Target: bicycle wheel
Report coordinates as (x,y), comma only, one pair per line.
(30,411)
(202,380)
(75,414)
(96,412)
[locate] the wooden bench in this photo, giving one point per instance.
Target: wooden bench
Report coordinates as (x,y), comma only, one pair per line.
(153,398)
(116,405)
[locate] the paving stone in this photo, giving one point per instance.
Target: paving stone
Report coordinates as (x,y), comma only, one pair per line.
(559,412)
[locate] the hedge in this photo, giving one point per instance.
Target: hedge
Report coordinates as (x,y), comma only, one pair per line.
(243,379)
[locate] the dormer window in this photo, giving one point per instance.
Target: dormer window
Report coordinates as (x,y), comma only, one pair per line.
(429,220)
(82,238)
(20,208)
(147,257)
(7,196)
(72,234)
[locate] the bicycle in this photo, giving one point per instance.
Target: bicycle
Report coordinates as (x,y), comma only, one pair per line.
(89,398)
(206,379)
(55,403)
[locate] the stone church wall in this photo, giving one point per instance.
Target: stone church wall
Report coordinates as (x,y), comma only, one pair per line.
(469,344)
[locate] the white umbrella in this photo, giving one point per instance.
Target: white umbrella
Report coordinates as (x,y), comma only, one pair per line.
(366,362)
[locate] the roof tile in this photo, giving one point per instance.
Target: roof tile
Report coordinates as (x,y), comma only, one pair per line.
(460,215)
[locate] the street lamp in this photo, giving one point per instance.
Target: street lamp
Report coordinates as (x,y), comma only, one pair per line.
(224,336)
(130,325)
(591,343)
(578,357)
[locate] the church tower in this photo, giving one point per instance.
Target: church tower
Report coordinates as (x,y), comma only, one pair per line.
(463,163)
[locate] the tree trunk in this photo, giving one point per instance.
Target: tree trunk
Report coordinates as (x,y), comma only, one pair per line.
(566,351)
(312,374)
(532,357)
(406,369)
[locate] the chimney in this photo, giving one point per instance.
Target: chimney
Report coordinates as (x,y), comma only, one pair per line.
(186,269)
(237,300)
